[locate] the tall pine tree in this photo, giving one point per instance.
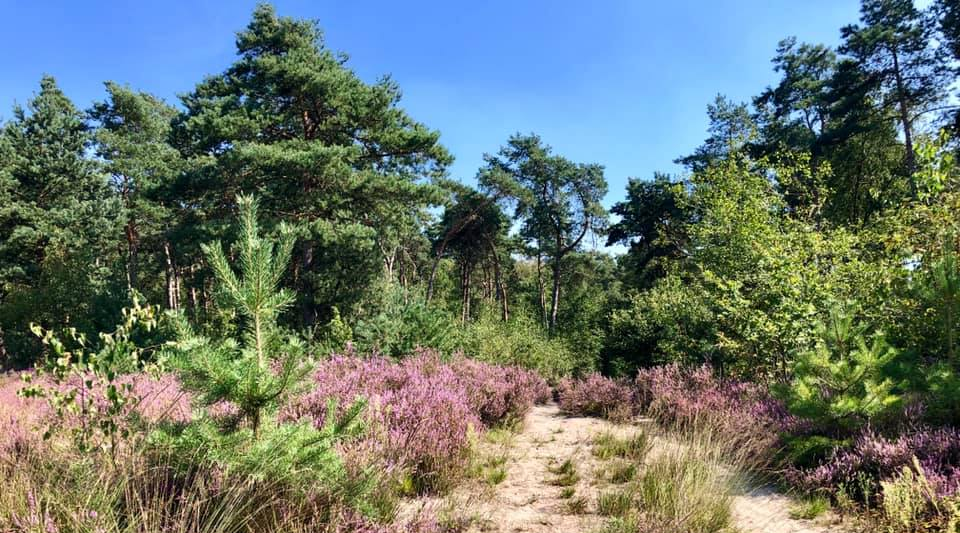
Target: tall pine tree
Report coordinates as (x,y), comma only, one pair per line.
(320,147)
(58,227)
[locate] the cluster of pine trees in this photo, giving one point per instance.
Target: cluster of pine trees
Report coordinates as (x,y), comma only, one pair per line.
(734,263)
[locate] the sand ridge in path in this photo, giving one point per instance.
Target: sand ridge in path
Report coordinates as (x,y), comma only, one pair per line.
(527,501)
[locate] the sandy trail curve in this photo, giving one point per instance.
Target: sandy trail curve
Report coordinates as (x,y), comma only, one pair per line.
(527,500)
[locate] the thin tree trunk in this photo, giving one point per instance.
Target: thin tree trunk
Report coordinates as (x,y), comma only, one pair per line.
(555,304)
(133,245)
(540,288)
(308,314)
(457,228)
(465,272)
(910,158)
(173,283)
(501,286)
(3,349)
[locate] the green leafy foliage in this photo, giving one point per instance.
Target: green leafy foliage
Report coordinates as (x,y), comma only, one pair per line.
(521,341)
(82,383)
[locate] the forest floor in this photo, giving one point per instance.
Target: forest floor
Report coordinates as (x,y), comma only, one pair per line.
(515,486)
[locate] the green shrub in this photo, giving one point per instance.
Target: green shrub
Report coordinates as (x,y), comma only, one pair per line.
(671,322)
(908,498)
(521,341)
(402,322)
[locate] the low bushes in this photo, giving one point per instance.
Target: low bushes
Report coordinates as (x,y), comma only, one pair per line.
(521,342)
(743,412)
(420,414)
(920,466)
(596,395)
(422,409)
(859,469)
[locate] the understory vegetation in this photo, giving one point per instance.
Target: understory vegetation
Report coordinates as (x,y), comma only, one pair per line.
(270,308)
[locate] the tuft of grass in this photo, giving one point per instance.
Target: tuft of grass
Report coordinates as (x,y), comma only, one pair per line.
(567,493)
(566,474)
(577,505)
(496,476)
(626,524)
(606,445)
(810,508)
(689,488)
(500,435)
(622,472)
(616,503)
(491,469)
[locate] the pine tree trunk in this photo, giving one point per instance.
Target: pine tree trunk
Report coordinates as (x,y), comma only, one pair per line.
(465,293)
(555,304)
(910,158)
(541,289)
(501,286)
(173,283)
(308,313)
(133,245)
(3,349)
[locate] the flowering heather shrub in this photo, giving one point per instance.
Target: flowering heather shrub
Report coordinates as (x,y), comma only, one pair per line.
(596,395)
(17,418)
(499,393)
(22,419)
(421,409)
(872,459)
(744,412)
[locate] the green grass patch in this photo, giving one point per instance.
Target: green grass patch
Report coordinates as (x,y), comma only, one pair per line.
(622,472)
(566,474)
(606,445)
(810,508)
(615,503)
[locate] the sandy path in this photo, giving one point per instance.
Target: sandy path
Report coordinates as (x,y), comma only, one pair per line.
(528,501)
(763,510)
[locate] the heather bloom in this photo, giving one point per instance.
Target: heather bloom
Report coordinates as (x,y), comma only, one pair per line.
(422,409)
(744,412)
(596,395)
(872,459)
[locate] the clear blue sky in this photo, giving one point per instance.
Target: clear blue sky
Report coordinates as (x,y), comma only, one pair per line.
(624,83)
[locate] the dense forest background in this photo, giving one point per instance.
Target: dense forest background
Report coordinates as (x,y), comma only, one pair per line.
(832,196)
